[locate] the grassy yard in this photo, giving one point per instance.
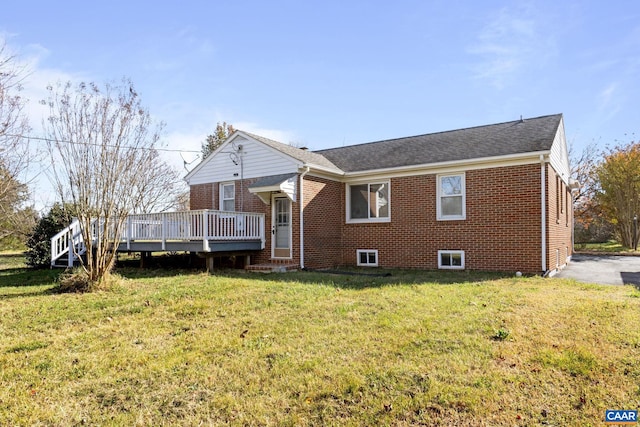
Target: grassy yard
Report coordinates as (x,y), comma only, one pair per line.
(303,349)
(611,247)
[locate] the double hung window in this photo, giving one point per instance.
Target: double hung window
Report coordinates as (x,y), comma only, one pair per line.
(451,199)
(228,196)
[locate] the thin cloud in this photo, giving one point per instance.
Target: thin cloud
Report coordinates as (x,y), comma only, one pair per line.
(275,134)
(507,45)
(608,101)
(607,94)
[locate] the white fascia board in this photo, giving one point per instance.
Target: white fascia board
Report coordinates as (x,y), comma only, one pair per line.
(322,172)
(451,166)
(268,189)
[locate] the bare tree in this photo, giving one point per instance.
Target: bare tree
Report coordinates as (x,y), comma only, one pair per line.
(183,200)
(582,167)
(162,186)
(591,225)
(103,145)
(14,150)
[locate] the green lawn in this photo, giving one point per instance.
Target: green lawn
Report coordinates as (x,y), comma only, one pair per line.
(606,247)
(307,349)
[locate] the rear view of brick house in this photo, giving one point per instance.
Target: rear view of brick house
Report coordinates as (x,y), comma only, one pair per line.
(494,197)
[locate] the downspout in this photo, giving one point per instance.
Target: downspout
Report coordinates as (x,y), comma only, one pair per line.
(543,207)
(302,217)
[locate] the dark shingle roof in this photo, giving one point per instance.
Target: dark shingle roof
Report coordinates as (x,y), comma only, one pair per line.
(516,137)
(269,181)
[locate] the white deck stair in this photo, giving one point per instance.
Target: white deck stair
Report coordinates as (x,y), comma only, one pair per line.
(67,246)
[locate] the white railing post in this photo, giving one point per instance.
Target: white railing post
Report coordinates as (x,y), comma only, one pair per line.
(128,236)
(164,231)
(205,231)
(71,243)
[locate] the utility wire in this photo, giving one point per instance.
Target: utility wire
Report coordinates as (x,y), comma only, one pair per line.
(38,138)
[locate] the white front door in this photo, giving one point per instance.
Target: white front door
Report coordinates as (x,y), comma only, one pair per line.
(281,228)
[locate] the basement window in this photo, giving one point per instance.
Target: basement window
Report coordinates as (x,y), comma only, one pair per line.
(452,260)
(367,257)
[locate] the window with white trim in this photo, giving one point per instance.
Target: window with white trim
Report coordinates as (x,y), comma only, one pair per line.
(227,196)
(451,201)
(452,260)
(368,202)
(367,257)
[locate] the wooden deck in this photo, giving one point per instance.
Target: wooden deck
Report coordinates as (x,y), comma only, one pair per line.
(194,231)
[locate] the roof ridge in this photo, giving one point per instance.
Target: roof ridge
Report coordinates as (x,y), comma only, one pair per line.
(521,119)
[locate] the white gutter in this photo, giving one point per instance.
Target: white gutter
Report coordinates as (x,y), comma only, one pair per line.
(543,207)
(302,216)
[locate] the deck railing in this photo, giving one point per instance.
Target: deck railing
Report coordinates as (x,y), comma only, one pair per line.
(197,225)
(68,242)
(205,225)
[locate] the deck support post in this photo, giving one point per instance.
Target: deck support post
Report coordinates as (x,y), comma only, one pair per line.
(210,263)
(143,259)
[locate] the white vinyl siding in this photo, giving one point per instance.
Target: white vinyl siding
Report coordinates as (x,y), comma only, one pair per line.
(451,260)
(368,202)
(258,161)
(451,199)
(559,157)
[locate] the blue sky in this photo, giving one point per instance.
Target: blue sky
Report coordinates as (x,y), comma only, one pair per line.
(333,73)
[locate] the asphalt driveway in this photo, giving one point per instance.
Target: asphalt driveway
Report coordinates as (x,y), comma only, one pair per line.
(603,269)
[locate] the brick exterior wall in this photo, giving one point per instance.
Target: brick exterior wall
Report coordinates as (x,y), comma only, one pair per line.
(559,220)
(323,221)
(201,196)
(501,232)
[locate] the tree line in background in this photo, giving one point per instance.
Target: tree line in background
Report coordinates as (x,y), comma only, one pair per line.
(16,216)
(607,206)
